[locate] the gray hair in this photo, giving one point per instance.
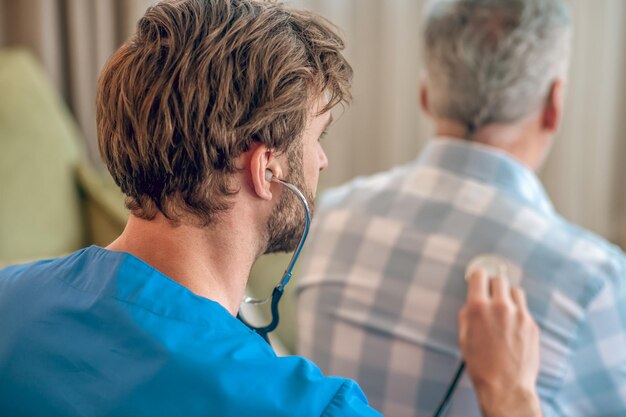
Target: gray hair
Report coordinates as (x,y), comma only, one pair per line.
(493,61)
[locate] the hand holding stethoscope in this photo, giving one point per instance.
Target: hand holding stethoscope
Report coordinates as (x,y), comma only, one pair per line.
(499,341)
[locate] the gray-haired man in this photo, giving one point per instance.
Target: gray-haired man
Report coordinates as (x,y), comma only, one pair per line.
(384,279)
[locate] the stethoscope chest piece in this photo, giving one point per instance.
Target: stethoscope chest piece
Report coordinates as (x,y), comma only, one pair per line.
(495,266)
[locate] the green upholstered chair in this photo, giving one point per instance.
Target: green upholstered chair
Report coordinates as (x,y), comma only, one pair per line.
(103,204)
(51,201)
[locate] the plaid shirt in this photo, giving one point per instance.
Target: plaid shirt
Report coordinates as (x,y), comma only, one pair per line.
(383,283)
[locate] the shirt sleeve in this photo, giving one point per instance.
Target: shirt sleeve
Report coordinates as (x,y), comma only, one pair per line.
(595,383)
(349,402)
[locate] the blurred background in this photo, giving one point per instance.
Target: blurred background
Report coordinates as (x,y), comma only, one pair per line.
(55,196)
(584,175)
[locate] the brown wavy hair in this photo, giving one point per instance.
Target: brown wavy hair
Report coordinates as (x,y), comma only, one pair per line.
(199,82)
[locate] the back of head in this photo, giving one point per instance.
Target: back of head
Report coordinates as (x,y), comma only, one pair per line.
(197,85)
(493,61)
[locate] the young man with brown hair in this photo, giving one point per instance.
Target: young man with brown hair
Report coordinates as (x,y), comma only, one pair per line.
(196,113)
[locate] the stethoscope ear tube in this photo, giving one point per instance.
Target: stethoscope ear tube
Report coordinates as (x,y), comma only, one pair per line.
(279,289)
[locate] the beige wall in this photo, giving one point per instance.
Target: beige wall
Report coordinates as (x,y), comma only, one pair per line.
(2,24)
(620,160)
(584,172)
(384,127)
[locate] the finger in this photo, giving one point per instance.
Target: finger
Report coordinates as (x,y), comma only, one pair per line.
(478,289)
(500,289)
(462,327)
(519,298)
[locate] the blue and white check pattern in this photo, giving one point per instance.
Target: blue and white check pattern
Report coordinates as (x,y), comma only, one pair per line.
(383,282)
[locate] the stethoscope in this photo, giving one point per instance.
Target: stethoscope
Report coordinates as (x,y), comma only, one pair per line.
(280,287)
(494,266)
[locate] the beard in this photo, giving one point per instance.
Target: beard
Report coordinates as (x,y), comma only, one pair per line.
(286,223)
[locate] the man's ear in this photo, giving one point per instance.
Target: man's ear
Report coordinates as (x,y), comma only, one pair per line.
(553,109)
(263,160)
(424,102)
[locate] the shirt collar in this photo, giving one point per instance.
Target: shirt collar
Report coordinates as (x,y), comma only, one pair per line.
(488,165)
(123,276)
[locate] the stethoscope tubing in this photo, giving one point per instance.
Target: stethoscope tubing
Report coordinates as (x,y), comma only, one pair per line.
(442,410)
(278,291)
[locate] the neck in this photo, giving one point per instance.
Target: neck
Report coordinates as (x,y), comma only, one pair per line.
(521,141)
(213,262)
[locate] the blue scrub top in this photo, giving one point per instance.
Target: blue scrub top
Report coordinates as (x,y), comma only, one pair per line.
(101,333)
